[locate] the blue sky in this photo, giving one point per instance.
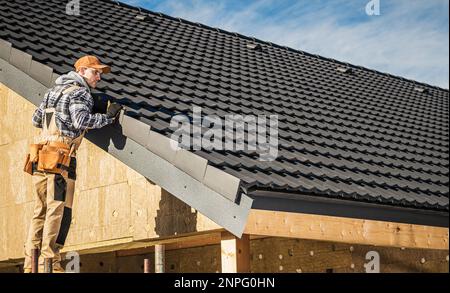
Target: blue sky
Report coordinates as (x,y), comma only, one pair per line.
(409,38)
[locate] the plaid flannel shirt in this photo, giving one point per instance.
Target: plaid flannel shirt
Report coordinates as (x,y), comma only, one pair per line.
(73,111)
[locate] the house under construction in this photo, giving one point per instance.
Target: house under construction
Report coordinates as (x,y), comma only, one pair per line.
(362,157)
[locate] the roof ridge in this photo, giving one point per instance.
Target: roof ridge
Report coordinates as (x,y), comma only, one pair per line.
(287,48)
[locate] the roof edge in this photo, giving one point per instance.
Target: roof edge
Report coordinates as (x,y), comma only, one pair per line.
(301,203)
(24,62)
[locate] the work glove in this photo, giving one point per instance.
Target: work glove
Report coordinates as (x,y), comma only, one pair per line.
(113,110)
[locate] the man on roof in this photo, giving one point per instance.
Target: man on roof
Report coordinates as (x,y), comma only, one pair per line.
(64,116)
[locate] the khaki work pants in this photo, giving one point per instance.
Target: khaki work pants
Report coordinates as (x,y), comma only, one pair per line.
(51,218)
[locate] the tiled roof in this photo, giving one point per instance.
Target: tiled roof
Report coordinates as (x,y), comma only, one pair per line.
(360,135)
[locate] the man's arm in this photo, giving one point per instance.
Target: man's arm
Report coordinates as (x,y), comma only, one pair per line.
(81,113)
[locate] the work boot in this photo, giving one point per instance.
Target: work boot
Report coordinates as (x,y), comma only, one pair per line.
(28,270)
(58,269)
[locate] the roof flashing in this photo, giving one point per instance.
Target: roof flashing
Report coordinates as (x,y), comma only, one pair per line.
(5,49)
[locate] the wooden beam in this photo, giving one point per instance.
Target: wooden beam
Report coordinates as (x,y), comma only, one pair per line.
(235,253)
(201,241)
(35,260)
(159,258)
(147,263)
(346,230)
(129,244)
(48,265)
(181,243)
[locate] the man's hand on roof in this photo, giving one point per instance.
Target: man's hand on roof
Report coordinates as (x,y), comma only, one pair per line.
(113,110)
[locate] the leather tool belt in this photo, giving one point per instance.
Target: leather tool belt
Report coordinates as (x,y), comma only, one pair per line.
(50,157)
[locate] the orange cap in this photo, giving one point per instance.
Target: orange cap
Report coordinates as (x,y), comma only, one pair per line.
(91,62)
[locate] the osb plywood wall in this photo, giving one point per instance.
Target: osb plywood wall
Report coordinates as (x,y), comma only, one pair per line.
(113,203)
(276,255)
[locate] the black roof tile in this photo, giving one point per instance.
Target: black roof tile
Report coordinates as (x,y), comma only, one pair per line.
(365,136)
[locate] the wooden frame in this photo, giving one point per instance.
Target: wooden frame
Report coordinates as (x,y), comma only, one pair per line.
(263,223)
(235,253)
(346,230)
